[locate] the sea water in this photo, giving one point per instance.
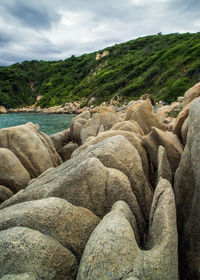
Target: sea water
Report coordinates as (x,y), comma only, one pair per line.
(49,123)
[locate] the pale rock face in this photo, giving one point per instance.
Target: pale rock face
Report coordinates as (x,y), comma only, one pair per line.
(60,139)
(12,173)
(187,189)
(33,148)
(71,226)
(23,276)
(131,126)
(112,251)
(191,94)
(142,113)
(3,110)
(169,141)
(164,170)
(23,249)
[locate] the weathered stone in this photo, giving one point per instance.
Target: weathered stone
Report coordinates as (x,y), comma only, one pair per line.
(89,184)
(184,131)
(169,141)
(60,139)
(106,117)
(191,94)
(113,253)
(12,173)
(23,249)
(5,193)
(71,226)
(33,148)
(85,115)
(131,126)
(142,112)
(3,110)
(164,170)
(187,190)
(23,276)
(67,151)
(131,137)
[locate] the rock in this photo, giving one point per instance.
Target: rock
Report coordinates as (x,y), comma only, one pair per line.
(184,131)
(33,148)
(71,226)
(182,116)
(131,126)
(12,173)
(191,94)
(112,247)
(106,117)
(113,253)
(187,190)
(60,139)
(5,193)
(75,130)
(171,124)
(169,141)
(142,112)
(23,249)
(91,128)
(164,170)
(163,112)
(131,137)
(180,99)
(23,276)
(85,115)
(88,184)
(67,151)
(3,110)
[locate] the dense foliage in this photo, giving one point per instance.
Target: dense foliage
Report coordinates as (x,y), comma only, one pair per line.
(164,66)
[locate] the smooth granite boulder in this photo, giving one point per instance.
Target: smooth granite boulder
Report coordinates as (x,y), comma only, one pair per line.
(67,151)
(23,249)
(191,94)
(164,170)
(113,253)
(142,112)
(33,148)
(187,190)
(169,141)
(85,181)
(3,110)
(5,193)
(12,173)
(71,226)
(23,276)
(130,125)
(60,139)
(133,138)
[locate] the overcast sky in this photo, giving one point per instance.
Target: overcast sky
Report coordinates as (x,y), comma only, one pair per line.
(57,29)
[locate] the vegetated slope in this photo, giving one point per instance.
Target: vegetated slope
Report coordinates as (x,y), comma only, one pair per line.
(164,66)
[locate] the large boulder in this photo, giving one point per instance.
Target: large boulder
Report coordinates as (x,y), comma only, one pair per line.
(131,137)
(164,170)
(142,112)
(131,126)
(187,190)
(191,94)
(26,250)
(67,151)
(33,148)
(112,251)
(60,139)
(3,110)
(5,193)
(22,276)
(169,141)
(12,173)
(100,122)
(71,226)
(88,184)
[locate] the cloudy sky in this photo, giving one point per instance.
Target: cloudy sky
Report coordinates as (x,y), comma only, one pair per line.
(57,29)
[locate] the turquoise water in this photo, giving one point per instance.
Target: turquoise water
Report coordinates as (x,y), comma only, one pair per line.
(49,123)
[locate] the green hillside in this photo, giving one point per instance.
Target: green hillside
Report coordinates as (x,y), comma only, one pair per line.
(164,66)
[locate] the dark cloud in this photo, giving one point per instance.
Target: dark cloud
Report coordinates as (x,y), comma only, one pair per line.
(5,39)
(32,13)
